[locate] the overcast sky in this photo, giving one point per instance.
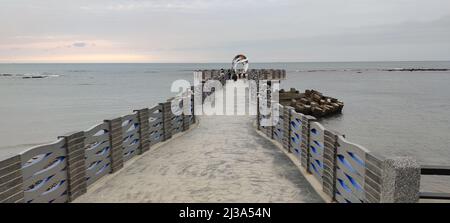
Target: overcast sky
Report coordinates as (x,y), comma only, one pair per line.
(216,30)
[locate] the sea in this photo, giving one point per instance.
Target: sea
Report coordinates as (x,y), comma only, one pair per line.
(391,108)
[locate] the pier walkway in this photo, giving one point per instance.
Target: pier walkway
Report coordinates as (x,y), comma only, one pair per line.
(222,159)
(158,155)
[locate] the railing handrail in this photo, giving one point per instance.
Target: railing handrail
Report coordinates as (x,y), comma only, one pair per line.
(435,170)
(434,196)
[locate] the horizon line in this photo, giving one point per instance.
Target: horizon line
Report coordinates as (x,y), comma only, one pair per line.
(257,62)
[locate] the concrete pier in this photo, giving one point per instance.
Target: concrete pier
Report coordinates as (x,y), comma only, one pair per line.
(222,159)
(159,154)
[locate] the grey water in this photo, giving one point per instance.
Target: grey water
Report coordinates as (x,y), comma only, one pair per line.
(393,113)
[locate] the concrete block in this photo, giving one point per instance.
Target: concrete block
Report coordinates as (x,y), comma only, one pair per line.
(400,180)
(76,165)
(11,181)
(144,130)
(116,139)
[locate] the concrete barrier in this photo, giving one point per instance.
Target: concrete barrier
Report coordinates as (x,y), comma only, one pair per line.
(11,181)
(347,172)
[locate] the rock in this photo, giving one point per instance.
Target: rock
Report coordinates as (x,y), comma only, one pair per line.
(311,102)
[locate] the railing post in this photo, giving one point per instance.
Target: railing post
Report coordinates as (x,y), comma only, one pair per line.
(269,105)
(144,130)
(205,74)
(329,163)
(76,164)
(185,122)
(258,113)
(272,127)
(11,181)
(373,177)
(186,109)
(287,128)
(116,139)
(184,118)
(400,180)
(306,149)
(192,96)
(167,119)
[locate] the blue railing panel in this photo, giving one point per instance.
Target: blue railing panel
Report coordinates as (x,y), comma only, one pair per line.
(130,131)
(156,125)
(97,152)
(44,173)
(316,148)
(296,138)
(350,172)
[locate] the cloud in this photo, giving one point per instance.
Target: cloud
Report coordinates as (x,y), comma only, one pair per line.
(402,41)
(176,5)
(189,30)
(80,58)
(135,5)
(79,44)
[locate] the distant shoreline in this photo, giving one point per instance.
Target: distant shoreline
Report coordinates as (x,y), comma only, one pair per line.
(223,62)
(416,69)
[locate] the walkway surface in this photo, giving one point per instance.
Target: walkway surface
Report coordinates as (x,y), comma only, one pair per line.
(223,159)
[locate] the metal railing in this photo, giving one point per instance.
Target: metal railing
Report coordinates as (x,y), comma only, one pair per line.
(434,170)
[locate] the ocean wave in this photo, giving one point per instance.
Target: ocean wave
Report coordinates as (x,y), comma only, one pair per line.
(417,69)
(151,72)
(78,71)
(31,75)
(331,70)
(379,69)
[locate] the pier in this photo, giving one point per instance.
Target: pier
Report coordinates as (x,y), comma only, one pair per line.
(220,159)
(154,155)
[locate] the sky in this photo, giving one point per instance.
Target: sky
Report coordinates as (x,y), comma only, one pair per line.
(184,31)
